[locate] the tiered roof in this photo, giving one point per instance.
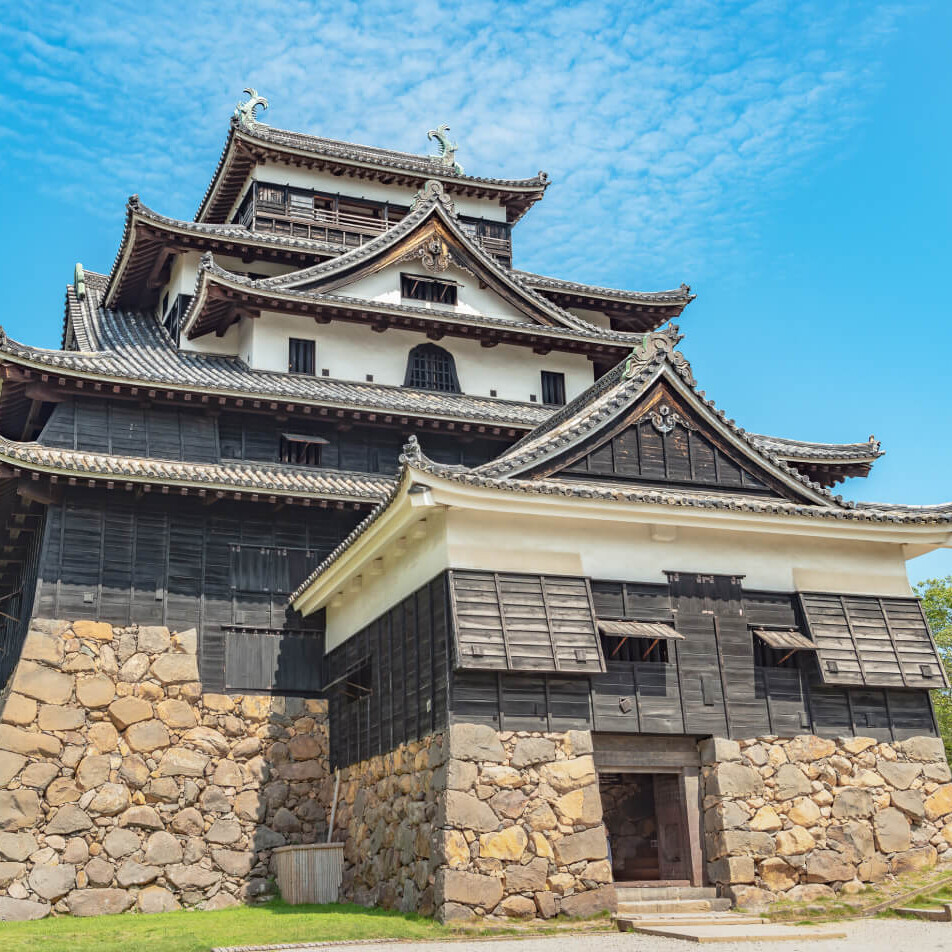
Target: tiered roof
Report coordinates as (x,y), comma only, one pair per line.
(248,145)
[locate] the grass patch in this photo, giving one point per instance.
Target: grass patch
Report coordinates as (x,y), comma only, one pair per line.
(191,931)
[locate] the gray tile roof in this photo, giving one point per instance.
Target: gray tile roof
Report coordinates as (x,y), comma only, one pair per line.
(253,477)
(363,157)
(803,451)
(413,458)
(681,295)
(137,212)
(131,348)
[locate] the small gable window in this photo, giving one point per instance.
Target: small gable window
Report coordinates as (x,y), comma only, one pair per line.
(418,288)
(553,388)
(431,368)
(301,356)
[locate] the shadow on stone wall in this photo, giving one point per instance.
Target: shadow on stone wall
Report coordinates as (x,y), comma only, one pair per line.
(123,785)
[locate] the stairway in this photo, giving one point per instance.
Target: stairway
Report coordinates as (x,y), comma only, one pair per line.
(640,906)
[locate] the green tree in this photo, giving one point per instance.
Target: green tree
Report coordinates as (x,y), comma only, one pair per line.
(936,595)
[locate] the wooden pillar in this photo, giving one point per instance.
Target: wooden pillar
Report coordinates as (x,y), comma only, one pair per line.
(690,783)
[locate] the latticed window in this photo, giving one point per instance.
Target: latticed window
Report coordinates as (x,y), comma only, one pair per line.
(431,368)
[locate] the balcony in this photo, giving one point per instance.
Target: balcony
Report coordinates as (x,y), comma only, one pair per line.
(301,213)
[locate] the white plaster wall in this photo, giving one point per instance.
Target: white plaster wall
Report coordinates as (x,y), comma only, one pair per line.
(475,539)
(384,286)
(404,573)
(278,174)
(605,550)
(351,351)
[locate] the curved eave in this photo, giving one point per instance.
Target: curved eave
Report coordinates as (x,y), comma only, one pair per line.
(643,310)
(245,148)
(424,484)
(517,419)
(260,481)
(148,239)
(219,299)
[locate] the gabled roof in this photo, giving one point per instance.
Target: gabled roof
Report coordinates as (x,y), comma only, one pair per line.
(611,399)
(148,238)
(249,144)
(418,472)
(431,223)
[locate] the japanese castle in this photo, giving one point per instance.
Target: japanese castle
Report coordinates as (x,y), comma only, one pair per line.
(487,514)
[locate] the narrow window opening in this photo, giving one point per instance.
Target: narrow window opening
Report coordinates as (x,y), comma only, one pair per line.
(301,356)
(301,450)
(553,388)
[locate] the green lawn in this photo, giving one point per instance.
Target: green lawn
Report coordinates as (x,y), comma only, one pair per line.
(188,931)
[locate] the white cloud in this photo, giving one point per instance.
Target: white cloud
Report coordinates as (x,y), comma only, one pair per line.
(662,124)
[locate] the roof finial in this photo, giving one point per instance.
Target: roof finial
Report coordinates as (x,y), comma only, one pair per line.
(79,282)
(447,155)
(245,111)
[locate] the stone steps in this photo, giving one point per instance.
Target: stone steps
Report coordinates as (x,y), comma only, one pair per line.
(646,907)
(628,923)
(654,893)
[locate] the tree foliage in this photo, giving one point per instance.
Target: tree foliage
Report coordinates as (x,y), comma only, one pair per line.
(936,595)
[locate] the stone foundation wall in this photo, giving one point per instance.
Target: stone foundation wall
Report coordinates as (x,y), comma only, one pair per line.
(808,817)
(474,823)
(122,784)
(521,831)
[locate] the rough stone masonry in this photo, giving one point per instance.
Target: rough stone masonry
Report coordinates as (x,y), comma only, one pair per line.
(123,785)
(809,817)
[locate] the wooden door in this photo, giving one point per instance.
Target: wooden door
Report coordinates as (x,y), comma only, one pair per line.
(673,858)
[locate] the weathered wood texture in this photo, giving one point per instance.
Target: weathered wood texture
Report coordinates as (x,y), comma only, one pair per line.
(21,523)
(100,426)
(388,684)
(867,640)
(510,622)
(225,569)
(641,453)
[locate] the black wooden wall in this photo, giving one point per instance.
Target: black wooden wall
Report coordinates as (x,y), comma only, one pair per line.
(225,569)
(100,426)
(383,679)
(388,684)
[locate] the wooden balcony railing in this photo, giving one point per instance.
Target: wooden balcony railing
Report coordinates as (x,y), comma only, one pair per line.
(299,220)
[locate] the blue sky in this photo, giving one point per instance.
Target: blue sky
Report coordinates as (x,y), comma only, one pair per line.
(787,160)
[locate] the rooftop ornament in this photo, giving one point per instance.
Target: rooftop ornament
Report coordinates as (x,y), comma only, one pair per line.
(79,282)
(447,154)
(245,111)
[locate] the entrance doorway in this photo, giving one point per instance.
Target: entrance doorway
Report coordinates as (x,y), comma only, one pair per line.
(644,816)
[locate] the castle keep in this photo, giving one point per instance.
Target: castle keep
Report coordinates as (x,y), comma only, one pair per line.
(320,487)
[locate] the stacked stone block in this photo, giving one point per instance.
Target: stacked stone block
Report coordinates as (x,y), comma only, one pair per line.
(123,785)
(809,817)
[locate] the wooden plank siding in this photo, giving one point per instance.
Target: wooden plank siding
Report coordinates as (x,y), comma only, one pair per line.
(101,426)
(871,641)
(515,622)
(225,570)
(388,683)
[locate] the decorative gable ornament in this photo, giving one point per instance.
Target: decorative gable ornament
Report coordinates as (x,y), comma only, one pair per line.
(245,111)
(447,153)
(659,344)
(664,420)
(433,190)
(436,255)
